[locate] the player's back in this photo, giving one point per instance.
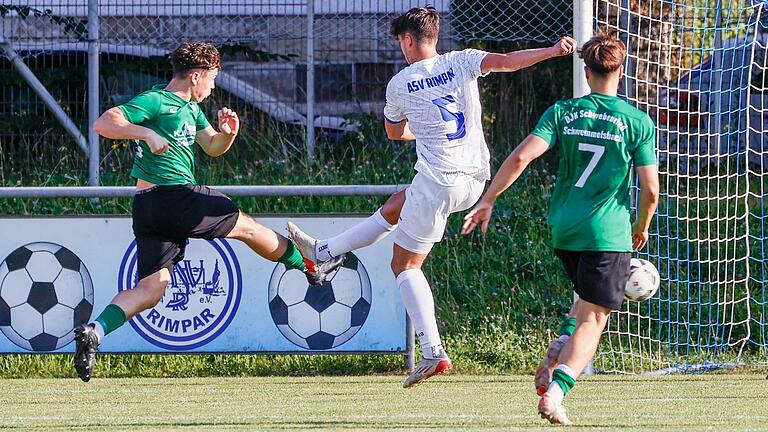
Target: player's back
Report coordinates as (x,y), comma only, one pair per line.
(440,99)
(599,138)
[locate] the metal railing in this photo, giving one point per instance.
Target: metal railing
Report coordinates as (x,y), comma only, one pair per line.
(129,191)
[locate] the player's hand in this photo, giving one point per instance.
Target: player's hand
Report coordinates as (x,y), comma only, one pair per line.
(639,238)
(229,123)
(156,143)
(566,46)
(480,215)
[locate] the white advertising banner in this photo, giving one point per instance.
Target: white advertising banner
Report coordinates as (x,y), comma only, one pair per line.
(58,272)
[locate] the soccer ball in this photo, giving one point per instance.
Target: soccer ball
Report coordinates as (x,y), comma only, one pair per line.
(643,280)
(45,292)
(320,317)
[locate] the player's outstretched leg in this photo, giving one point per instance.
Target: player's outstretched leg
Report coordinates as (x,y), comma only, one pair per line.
(86,344)
(366,233)
(277,248)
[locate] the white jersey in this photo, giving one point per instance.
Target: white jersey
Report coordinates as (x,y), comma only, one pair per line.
(439,98)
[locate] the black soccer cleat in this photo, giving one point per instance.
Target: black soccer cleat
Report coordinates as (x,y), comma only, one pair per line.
(323,269)
(86,344)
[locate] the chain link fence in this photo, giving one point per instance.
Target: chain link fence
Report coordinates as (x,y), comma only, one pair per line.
(264,46)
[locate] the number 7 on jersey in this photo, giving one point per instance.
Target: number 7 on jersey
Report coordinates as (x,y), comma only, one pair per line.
(597,152)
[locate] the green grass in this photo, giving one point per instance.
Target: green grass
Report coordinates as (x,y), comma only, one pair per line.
(456,402)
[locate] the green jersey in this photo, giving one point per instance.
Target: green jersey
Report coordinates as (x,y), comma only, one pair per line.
(599,139)
(177,121)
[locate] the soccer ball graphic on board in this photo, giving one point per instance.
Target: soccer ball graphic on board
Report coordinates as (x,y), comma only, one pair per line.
(45,291)
(320,317)
(643,280)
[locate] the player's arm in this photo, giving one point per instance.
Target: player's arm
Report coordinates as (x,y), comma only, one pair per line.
(217,143)
(522,59)
(112,124)
(531,148)
(648,177)
(398,131)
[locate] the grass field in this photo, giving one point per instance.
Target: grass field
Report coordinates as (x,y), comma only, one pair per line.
(455,402)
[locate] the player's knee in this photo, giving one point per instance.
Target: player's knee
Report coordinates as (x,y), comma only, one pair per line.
(153,289)
(399,266)
(396,269)
(247,229)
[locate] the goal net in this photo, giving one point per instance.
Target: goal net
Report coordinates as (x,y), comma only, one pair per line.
(698,68)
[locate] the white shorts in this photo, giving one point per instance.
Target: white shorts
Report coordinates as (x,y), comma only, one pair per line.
(426,210)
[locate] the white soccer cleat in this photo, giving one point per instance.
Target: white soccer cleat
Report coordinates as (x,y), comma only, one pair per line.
(552,411)
(427,368)
(543,375)
(303,241)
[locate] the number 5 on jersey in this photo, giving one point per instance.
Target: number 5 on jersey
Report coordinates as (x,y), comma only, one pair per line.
(447,105)
(597,152)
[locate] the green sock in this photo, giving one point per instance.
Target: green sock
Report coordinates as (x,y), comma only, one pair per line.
(567,326)
(292,258)
(565,381)
(111,318)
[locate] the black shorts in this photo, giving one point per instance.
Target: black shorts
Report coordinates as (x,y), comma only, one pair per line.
(598,277)
(164,217)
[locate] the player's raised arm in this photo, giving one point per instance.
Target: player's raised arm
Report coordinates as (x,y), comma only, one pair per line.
(112,124)
(522,59)
(531,148)
(217,143)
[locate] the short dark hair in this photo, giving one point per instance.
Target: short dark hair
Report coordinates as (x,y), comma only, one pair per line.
(604,53)
(199,55)
(422,23)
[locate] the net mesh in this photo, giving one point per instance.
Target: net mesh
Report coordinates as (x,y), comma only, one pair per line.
(697,67)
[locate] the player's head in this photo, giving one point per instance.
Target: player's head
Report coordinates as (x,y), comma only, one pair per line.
(197,64)
(604,56)
(415,29)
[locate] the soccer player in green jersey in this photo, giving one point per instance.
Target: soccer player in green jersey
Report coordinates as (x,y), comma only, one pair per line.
(599,138)
(169,207)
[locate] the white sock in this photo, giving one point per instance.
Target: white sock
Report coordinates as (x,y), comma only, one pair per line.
(98,329)
(554,390)
(417,297)
(366,233)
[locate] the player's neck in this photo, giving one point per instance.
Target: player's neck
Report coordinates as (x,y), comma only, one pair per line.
(180,89)
(422,53)
(604,88)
